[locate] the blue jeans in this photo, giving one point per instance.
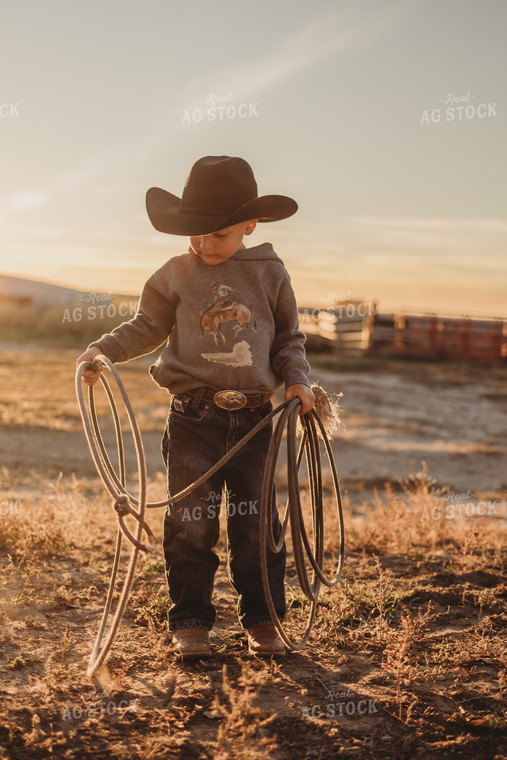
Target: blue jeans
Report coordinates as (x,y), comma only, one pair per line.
(197,435)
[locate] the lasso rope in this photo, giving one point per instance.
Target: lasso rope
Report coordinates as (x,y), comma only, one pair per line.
(124,502)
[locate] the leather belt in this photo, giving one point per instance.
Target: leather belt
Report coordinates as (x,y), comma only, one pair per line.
(230,399)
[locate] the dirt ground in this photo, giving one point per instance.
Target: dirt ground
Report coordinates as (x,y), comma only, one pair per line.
(395,416)
(407,658)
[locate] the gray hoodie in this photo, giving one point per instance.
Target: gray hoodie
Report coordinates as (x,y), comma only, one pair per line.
(233,325)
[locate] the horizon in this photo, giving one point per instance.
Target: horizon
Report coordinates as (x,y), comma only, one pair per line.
(340,298)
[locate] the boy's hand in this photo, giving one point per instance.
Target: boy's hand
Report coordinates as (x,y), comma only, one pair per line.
(304,393)
(90,376)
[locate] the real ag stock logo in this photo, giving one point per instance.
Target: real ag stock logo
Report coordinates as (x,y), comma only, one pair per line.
(456,505)
(459,108)
(219,108)
(9,110)
(101,306)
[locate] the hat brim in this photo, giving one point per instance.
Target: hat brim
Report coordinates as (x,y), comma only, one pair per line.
(166,215)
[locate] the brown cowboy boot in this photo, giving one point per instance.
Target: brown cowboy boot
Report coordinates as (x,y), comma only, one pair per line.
(192,642)
(263,639)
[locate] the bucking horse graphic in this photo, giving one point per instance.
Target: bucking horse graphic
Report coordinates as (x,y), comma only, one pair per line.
(225,308)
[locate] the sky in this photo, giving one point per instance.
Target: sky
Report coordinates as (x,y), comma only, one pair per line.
(384,119)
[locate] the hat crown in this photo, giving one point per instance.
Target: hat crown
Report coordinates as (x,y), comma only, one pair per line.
(220,192)
(218,185)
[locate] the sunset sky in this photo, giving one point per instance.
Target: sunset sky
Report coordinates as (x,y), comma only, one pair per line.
(385,120)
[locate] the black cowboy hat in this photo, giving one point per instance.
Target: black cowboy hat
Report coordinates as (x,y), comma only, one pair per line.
(220,191)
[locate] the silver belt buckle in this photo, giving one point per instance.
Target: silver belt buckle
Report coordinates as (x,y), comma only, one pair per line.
(229,400)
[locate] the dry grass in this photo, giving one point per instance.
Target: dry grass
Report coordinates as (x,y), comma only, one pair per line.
(40,529)
(53,325)
(414,522)
(413,632)
(243,730)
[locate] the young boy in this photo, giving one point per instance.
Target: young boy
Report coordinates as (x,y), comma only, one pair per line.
(231,318)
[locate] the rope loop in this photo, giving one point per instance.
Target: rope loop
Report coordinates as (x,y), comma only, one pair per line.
(124,502)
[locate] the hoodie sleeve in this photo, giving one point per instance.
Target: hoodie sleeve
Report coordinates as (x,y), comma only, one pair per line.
(145,332)
(288,358)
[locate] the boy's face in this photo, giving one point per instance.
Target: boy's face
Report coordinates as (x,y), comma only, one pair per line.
(219,246)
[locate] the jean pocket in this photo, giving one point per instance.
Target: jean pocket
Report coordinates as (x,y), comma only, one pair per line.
(183,407)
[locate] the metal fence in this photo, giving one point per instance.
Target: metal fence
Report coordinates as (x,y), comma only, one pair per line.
(346,329)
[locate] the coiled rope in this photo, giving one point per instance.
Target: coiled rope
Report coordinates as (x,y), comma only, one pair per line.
(125,503)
